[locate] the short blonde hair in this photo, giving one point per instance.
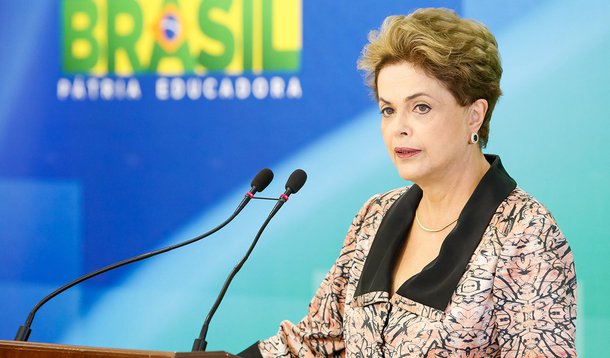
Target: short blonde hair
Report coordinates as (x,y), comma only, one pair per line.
(460,53)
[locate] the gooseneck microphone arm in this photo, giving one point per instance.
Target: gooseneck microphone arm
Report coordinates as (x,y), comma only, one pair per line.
(294,184)
(259,183)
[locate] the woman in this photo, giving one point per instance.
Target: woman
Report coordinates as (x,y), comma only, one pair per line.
(463,263)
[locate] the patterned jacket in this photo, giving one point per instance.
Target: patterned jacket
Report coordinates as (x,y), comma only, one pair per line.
(502,285)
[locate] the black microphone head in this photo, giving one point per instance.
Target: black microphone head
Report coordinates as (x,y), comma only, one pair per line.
(261,180)
(296,180)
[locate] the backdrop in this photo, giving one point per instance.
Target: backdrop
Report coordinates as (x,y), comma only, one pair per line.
(129,125)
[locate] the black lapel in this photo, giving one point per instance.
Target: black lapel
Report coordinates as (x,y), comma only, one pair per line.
(377,272)
(435,284)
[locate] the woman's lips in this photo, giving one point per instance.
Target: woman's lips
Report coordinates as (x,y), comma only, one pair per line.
(405,152)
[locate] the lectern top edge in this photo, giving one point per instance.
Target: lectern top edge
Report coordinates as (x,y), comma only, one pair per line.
(13,349)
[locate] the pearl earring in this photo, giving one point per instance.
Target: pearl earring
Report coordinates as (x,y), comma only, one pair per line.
(474,138)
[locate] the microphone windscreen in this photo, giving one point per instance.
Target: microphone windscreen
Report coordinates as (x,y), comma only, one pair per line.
(296,180)
(261,180)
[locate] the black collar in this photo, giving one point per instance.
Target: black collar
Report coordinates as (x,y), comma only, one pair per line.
(437,281)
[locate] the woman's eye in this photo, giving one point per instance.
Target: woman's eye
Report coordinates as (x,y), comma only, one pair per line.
(422,108)
(387,111)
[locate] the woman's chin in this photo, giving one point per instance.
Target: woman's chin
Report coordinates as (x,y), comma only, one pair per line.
(408,175)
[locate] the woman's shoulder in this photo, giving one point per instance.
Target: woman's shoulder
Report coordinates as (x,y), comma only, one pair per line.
(525,206)
(377,205)
(526,222)
(381,202)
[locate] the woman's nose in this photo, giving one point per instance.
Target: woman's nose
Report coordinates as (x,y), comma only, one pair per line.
(403,125)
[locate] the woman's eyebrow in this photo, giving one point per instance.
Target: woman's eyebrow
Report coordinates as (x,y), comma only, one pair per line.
(415,95)
(408,98)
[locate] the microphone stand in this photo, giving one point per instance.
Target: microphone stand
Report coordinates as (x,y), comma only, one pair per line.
(295,182)
(200,344)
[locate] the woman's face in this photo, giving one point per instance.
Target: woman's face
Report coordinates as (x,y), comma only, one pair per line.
(424,129)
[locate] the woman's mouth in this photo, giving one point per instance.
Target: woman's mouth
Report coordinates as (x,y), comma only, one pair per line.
(405,152)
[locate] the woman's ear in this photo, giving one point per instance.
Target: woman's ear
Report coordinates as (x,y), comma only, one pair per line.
(476,114)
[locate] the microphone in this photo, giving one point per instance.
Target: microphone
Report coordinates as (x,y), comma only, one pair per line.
(294,183)
(259,183)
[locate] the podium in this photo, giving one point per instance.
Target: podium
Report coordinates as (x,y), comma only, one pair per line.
(12,349)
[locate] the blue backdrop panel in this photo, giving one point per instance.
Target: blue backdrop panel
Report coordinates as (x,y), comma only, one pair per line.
(151,158)
(42,249)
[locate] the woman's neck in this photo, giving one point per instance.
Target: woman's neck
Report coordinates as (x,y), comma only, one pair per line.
(444,199)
